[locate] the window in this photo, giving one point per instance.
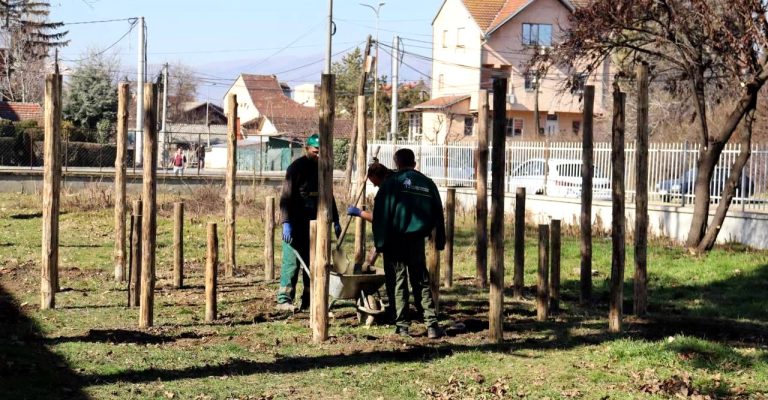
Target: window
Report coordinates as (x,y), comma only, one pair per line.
(514,127)
(414,123)
(469,123)
(576,127)
(530,81)
(579,81)
(441,81)
(445,38)
(537,35)
(459,37)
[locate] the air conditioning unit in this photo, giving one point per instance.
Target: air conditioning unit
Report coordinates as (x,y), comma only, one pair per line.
(511,99)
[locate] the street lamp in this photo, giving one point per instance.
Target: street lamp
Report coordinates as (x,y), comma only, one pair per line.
(376,66)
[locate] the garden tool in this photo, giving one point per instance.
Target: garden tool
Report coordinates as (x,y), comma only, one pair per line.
(341,263)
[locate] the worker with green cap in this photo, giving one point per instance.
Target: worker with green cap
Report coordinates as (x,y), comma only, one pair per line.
(298,206)
(408,209)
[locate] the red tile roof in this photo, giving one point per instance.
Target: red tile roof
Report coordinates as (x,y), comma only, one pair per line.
(441,102)
(489,14)
(15,111)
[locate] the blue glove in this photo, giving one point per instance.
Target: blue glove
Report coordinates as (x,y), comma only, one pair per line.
(337,229)
(353,211)
(287,232)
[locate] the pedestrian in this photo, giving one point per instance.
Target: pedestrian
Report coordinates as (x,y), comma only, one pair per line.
(408,209)
(178,162)
(298,206)
(201,156)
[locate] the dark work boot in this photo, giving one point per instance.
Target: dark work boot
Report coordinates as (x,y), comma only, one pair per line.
(435,331)
(402,331)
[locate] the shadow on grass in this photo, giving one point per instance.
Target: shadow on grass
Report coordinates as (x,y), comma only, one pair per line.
(28,370)
(121,336)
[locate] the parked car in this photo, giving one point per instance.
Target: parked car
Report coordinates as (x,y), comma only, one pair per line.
(457,174)
(684,185)
(563,179)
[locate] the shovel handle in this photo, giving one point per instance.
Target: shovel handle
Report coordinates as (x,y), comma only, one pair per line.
(340,239)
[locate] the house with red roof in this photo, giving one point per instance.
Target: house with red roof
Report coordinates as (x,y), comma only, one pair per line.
(475,41)
(16,111)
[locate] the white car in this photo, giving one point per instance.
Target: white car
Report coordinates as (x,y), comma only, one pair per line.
(452,173)
(563,180)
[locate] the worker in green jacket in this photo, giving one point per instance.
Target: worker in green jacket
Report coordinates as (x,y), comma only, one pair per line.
(408,209)
(298,206)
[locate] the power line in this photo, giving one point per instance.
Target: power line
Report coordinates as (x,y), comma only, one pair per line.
(133,19)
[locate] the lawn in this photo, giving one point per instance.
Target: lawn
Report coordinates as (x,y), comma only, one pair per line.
(706,335)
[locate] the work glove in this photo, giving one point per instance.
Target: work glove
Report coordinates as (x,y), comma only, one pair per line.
(287,234)
(353,211)
(337,229)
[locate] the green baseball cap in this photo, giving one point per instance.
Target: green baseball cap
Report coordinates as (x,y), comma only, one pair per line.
(314,140)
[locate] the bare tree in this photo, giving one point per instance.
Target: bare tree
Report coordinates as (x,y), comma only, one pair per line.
(711,51)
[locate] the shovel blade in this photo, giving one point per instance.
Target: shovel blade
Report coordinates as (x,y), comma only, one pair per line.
(340,261)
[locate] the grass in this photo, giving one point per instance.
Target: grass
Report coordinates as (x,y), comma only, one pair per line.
(705,335)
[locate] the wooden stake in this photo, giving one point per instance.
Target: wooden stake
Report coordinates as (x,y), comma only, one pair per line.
(322,267)
(542,283)
(433,268)
(587,169)
(496,296)
(211,263)
(362,167)
(269,239)
(518,279)
(481,186)
(357,131)
(49,274)
(618,218)
(120,170)
(178,244)
(149,213)
(640,293)
(450,216)
(229,213)
(554,276)
(311,266)
(135,276)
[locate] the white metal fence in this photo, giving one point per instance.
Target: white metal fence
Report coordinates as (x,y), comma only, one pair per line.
(671,173)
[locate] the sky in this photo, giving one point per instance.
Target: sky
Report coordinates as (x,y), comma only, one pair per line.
(219,40)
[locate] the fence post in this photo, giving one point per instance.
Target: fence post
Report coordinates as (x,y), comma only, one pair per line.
(542,287)
(178,244)
(496,295)
(361,154)
(121,141)
(269,239)
(640,292)
(149,217)
(587,169)
(49,276)
(319,302)
(211,262)
(134,280)
(450,217)
(518,279)
(481,186)
(554,276)
(618,218)
(229,214)
(433,267)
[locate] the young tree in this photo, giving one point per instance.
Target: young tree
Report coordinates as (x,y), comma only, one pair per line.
(182,89)
(348,72)
(27,37)
(91,100)
(709,51)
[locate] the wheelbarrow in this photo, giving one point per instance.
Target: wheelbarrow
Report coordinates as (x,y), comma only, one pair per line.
(361,287)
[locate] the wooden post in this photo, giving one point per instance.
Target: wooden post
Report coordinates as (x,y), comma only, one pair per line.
(618,218)
(229,213)
(178,244)
(319,301)
(554,276)
(640,293)
(135,279)
(496,295)
(587,169)
(149,212)
(120,170)
(542,284)
(311,266)
(49,274)
(481,186)
(211,262)
(362,169)
(518,278)
(433,268)
(450,217)
(269,239)
(359,129)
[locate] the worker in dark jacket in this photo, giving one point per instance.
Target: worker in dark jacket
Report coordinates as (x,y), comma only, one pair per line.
(408,209)
(298,206)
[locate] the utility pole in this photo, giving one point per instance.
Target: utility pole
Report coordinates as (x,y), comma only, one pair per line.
(163,132)
(140,78)
(331,31)
(395,67)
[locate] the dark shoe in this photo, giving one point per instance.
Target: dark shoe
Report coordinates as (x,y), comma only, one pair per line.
(285,307)
(435,332)
(402,331)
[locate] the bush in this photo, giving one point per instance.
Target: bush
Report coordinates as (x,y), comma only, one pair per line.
(340,153)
